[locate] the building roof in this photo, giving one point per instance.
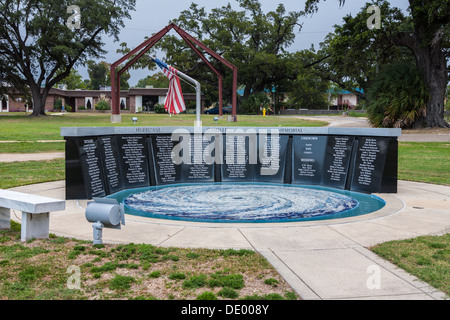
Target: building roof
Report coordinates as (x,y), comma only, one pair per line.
(341,91)
(123,93)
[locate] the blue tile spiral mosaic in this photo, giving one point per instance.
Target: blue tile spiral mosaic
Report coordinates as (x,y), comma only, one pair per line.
(246,203)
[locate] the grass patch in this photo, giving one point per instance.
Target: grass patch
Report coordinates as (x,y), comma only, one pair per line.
(21,127)
(207,296)
(357,114)
(32,147)
(121,282)
(38,270)
(427,258)
(424,162)
(25,173)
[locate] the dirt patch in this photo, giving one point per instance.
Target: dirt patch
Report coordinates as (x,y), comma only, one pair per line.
(39,270)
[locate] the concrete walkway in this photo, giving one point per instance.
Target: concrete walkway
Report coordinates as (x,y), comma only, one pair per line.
(23,157)
(320,260)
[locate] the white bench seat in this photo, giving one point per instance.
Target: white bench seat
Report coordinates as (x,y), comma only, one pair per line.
(35,212)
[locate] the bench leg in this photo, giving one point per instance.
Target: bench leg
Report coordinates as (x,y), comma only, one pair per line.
(35,226)
(5,218)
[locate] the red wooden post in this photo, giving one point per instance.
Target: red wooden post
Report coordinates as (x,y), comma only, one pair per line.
(140,50)
(220,97)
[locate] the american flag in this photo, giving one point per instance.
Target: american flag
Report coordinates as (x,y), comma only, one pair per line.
(174,101)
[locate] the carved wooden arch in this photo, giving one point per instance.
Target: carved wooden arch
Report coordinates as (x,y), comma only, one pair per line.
(139,51)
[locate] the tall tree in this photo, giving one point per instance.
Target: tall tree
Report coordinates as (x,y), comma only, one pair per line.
(38,49)
(74,81)
(355,53)
(254,41)
(427,39)
(157,80)
(98,74)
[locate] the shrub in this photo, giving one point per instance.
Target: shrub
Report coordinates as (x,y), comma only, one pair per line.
(159,108)
(102,105)
(57,105)
(254,102)
(397,97)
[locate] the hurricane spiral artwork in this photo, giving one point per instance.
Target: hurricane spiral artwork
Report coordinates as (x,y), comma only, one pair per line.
(239,202)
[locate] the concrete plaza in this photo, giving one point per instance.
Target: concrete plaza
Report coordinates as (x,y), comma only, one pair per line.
(321,260)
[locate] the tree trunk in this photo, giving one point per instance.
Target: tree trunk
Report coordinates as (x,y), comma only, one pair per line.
(39,99)
(431,63)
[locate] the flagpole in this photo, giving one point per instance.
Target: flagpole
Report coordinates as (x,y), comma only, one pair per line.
(198,122)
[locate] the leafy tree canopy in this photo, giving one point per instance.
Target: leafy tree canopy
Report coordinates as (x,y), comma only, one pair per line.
(157,80)
(74,81)
(355,52)
(254,41)
(38,50)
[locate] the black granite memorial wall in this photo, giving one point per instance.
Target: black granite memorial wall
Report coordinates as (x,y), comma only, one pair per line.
(103,164)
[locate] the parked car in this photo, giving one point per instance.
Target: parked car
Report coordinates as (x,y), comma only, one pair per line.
(215,110)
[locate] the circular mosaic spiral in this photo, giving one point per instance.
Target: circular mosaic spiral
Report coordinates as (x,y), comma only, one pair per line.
(239,202)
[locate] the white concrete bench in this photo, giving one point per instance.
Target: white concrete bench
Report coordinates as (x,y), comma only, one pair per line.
(35,212)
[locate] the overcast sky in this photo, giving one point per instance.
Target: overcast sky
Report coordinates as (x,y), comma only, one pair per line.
(151,16)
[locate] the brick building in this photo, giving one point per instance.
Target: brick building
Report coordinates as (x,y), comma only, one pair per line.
(133,100)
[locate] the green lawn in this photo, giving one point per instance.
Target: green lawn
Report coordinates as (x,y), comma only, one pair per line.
(428,258)
(425,162)
(21,127)
(32,147)
(25,173)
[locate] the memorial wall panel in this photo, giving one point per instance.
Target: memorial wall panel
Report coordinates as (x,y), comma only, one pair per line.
(91,163)
(240,157)
(337,161)
(111,164)
(75,185)
(308,159)
(97,166)
(166,172)
(389,183)
(133,157)
(198,170)
(369,164)
(272,151)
